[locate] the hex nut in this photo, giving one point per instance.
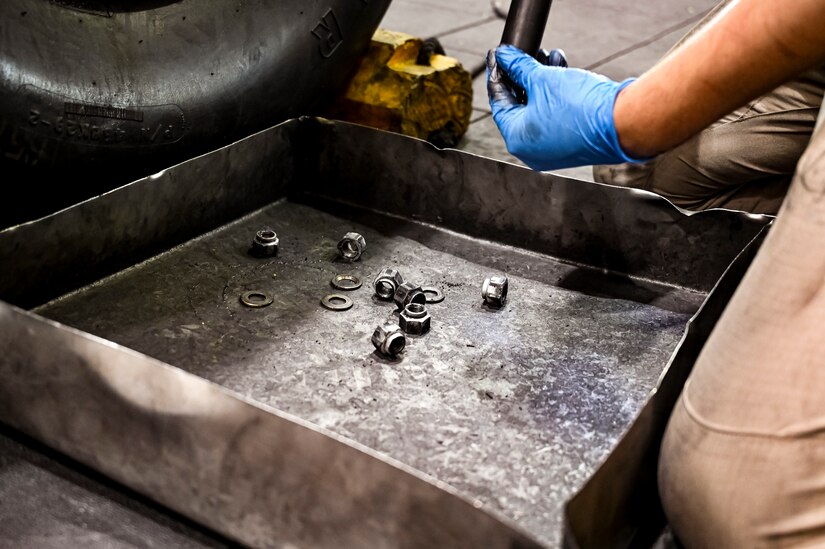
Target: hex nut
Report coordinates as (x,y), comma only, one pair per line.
(409,293)
(494,290)
(415,319)
(351,246)
(387,282)
(265,243)
(389,339)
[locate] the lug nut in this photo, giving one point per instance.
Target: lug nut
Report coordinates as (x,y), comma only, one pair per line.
(351,246)
(415,319)
(387,282)
(494,290)
(389,339)
(409,293)
(265,243)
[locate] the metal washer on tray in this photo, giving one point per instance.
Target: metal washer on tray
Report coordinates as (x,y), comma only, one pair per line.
(337,302)
(256,299)
(346,282)
(434,295)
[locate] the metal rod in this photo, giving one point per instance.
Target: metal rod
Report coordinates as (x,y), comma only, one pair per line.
(525,24)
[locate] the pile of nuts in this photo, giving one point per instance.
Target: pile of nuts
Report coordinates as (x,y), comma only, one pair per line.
(411,300)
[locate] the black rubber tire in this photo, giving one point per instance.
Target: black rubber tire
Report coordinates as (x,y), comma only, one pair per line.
(96,94)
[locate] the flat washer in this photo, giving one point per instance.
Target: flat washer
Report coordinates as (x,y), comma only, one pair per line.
(434,295)
(346,282)
(337,302)
(256,299)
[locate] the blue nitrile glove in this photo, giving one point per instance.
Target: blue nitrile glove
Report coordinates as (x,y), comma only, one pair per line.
(568,118)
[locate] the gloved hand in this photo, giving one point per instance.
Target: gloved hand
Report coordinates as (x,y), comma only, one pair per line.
(568,118)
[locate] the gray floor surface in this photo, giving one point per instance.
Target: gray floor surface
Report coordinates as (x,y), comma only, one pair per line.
(618,38)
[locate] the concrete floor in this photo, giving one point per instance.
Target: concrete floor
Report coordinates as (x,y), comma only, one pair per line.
(618,38)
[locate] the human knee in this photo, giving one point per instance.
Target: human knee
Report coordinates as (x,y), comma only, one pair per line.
(725,489)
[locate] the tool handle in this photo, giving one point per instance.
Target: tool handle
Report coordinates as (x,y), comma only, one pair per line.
(525,24)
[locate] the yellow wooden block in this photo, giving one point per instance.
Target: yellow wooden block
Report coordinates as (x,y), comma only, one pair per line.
(390,91)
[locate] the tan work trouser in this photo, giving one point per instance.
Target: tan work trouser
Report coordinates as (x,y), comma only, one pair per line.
(743,458)
(744,161)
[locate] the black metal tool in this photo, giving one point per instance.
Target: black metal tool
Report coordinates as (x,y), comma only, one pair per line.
(524,29)
(525,24)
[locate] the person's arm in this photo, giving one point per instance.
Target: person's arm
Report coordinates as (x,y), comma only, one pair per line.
(574,117)
(747,50)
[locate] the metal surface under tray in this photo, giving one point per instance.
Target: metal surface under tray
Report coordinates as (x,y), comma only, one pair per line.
(50,502)
(514,407)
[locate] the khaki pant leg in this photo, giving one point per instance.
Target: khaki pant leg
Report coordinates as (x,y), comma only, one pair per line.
(701,24)
(745,161)
(743,458)
(731,490)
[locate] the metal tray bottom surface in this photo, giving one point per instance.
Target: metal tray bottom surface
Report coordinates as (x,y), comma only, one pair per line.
(515,406)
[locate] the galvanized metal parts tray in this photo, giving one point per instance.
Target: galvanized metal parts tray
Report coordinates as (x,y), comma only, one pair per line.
(126,346)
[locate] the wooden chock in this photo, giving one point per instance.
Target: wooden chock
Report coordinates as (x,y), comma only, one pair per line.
(391,91)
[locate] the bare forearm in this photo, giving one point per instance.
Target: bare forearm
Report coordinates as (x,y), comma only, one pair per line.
(749,49)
